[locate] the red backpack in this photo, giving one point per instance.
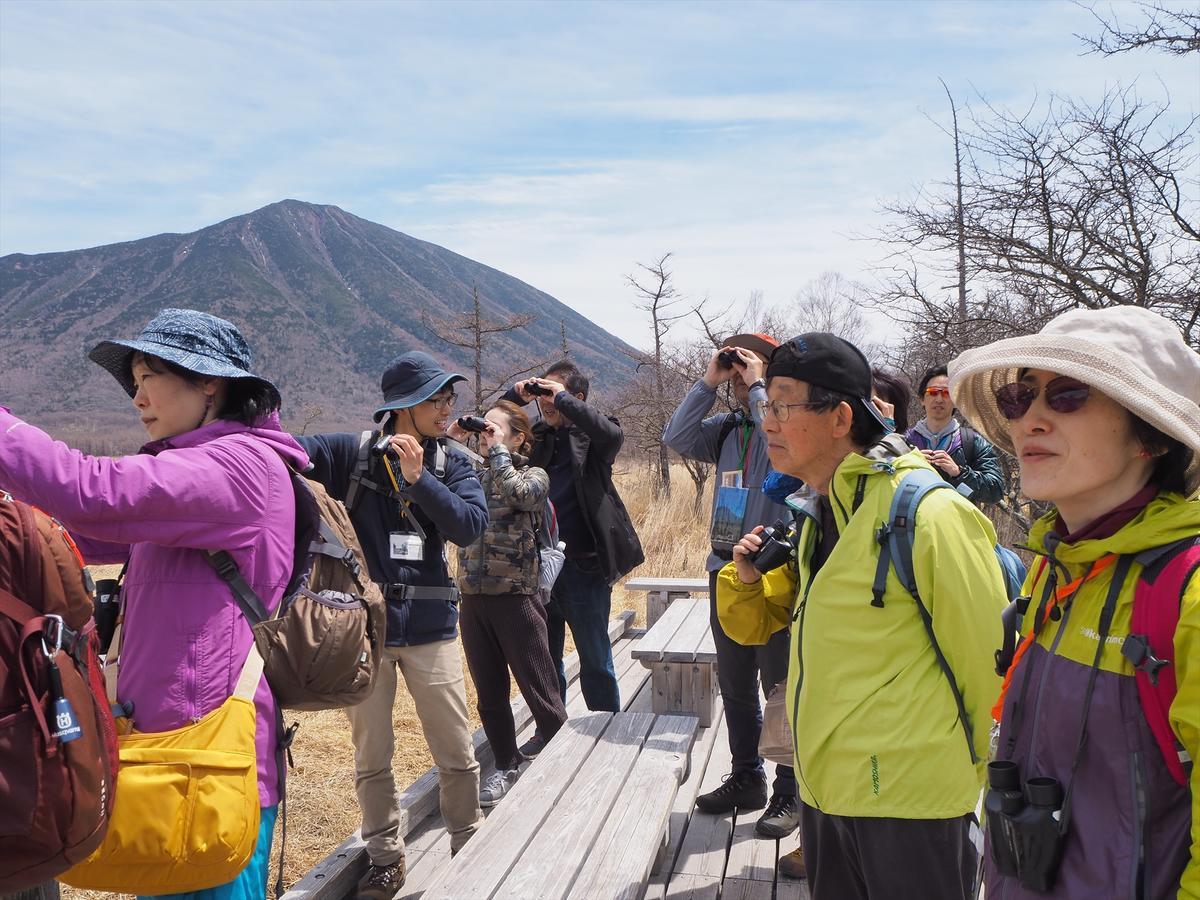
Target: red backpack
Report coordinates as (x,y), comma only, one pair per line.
(58,743)
(1150,646)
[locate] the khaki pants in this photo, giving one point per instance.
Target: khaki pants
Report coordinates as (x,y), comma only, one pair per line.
(434,676)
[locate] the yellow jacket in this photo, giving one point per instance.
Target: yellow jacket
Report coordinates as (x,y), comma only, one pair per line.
(875,722)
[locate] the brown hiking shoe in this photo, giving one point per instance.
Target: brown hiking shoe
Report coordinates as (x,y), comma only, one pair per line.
(791,865)
(381,882)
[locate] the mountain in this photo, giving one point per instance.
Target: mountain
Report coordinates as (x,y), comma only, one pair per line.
(325,299)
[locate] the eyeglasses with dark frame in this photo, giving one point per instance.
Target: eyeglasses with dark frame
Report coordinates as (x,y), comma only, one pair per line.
(1063,395)
(783,411)
(446,401)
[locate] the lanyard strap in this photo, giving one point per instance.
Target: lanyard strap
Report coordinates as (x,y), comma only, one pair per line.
(747,432)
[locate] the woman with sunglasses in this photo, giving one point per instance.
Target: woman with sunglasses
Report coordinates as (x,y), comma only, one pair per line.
(1100,712)
(960,454)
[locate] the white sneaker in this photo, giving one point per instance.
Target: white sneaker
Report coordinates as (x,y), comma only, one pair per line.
(497,785)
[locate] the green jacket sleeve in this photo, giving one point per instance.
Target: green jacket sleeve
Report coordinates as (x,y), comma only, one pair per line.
(1185,717)
(986,477)
(751,613)
(961,585)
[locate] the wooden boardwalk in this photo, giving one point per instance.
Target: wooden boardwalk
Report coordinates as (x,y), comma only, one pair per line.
(709,857)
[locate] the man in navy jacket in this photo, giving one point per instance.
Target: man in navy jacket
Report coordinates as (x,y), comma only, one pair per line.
(404,504)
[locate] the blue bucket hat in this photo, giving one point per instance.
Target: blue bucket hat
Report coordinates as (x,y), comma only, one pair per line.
(196,341)
(411,378)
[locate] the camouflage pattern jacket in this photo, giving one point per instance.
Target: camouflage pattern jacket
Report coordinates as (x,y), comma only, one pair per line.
(504,559)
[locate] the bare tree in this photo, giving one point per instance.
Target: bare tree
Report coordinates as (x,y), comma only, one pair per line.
(472,331)
(562,332)
(657,296)
(1080,205)
(1171,30)
(958,208)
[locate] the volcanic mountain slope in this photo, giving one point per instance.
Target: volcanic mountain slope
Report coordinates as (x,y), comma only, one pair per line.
(325,299)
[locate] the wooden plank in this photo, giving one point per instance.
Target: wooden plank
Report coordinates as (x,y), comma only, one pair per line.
(693,887)
(699,693)
(745,889)
(549,862)
(335,875)
(485,860)
(682,647)
(624,852)
(706,650)
(751,858)
(703,849)
(790,888)
(685,803)
(650,648)
(667,682)
(680,585)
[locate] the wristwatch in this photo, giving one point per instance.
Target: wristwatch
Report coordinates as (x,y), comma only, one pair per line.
(759,383)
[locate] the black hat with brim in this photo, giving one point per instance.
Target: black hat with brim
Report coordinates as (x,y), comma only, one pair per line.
(410,379)
(193,340)
(829,362)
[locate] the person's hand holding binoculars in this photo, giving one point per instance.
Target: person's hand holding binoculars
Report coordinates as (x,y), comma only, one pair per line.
(411,456)
(744,552)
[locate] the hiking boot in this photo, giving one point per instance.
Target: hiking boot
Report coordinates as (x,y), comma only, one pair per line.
(791,865)
(740,790)
(381,882)
(781,818)
(497,785)
(532,747)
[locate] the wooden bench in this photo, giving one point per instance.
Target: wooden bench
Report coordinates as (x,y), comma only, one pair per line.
(662,592)
(681,656)
(588,818)
(335,876)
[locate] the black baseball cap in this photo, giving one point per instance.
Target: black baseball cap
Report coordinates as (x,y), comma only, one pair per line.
(829,362)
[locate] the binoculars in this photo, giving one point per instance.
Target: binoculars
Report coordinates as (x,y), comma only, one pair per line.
(1024,827)
(727,359)
(775,549)
(537,390)
(106,606)
(472,423)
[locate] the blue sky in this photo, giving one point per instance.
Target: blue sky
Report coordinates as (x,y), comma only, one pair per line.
(559,142)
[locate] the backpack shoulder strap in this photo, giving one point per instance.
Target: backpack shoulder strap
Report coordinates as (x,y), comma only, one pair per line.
(247,600)
(896,538)
(1150,647)
(898,534)
(732,420)
(362,463)
(439,460)
(968,436)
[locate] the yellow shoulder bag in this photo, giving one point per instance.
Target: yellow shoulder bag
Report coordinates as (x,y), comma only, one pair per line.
(185,814)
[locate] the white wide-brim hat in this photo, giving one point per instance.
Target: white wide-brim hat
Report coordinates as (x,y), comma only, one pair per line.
(1129,353)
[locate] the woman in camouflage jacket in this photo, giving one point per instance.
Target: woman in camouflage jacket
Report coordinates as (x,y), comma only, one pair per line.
(503,622)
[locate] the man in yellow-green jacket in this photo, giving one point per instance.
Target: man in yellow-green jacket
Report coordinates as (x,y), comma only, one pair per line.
(887,777)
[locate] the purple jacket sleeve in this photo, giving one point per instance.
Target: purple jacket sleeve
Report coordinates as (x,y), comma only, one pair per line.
(199,497)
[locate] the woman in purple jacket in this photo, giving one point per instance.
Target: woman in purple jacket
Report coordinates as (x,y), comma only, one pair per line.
(213,477)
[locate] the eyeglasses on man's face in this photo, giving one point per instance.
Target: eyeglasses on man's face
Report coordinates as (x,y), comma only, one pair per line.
(445,401)
(937,392)
(783,411)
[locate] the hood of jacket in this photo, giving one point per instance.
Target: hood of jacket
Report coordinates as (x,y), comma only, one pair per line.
(1166,518)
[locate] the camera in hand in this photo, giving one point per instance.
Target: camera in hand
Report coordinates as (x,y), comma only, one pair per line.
(474,424)
(775,549)
(382,445)
(727,359)
(537,390)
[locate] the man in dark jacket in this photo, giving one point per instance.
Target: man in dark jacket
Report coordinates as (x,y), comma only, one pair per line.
(404,503)
(577,446)
(960,454)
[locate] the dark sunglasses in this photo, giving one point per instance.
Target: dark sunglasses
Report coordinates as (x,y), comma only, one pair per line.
(1063,395)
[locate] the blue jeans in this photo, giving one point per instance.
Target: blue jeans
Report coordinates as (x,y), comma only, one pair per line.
(738,673)
(251,883)
(583,600)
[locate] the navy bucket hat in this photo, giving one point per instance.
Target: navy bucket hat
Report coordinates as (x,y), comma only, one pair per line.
(411,378)
(196,341)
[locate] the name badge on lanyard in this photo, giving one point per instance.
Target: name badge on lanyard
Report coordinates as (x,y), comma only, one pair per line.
(409,547)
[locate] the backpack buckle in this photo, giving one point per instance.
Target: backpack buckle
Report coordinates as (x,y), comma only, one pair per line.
(1136,649)
(224,564)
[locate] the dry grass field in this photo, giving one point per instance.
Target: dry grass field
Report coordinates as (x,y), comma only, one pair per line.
(322,810)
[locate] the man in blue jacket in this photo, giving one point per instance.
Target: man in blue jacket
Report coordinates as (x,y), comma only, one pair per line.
(404,504)
(735,443)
